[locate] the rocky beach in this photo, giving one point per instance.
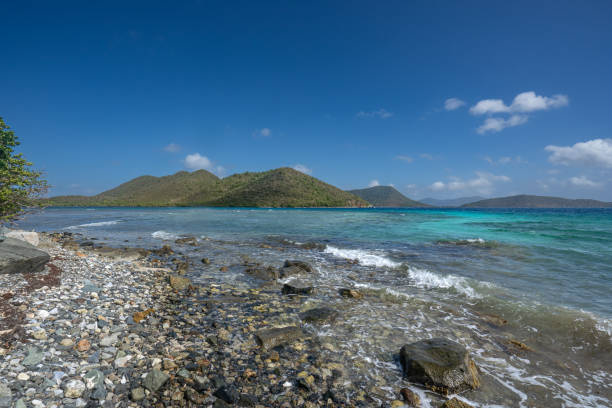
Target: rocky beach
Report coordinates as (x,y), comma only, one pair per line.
(112,327)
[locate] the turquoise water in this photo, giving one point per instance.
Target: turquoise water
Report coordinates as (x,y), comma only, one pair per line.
(425,273)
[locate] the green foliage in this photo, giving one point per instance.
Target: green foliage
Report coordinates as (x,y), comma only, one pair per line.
(20,186)
(283,187)
(386,196)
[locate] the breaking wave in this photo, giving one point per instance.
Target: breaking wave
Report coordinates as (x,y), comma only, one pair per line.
(166,236)
(364,257)
(95,224)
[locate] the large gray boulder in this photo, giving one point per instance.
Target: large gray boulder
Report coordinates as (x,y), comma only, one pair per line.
(440,364)
(18,256)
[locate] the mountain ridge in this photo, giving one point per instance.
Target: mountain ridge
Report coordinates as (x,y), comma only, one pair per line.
(386,196)
(282,187)
(534,201)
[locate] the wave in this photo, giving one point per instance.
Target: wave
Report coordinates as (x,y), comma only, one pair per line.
(425,279)
(476,242)
(166,236)
(364,257)
(94,224)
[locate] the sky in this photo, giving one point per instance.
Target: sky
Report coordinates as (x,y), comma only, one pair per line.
(437,98)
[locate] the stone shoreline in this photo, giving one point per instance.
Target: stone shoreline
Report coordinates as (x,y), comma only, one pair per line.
(114,328)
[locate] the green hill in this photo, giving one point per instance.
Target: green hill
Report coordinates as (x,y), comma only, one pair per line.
(386,196)
(532,201)
(284,187)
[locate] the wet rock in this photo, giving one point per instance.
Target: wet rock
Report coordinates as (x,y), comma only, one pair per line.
(227,393)
(270,338)
(456,403)
(18,256)
(179,282)
(155,379)
(319,314)
(74,389)
(494,320)
(350,293)
(520,345)
(297,287)
(410,397)
(206,261)
(120,254)
(305,266)
(263,273)
(193,241)
(440,364)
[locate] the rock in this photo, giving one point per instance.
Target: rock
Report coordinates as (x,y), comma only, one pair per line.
(137,394)
(74,389)
(140,316)
(193,241)
(20,403)
(23,377)
(520,345)
(179,282)
(5,395)
(270,338)
(319,314)
(40,334)
(18,256)
(455,403)
(34,357)
(305,266)
(410,397)
(120,254)
(83,345)
(66,342)
(155,379)
(227,393)
(30,237)
(263,273)
(297,287)
(397,404)
(109,340)
(350,293)
(94,379)
(440,364)
(164,251)
(206,261)
(494,320)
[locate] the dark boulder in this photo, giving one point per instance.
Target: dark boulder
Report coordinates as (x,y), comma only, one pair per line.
(297,287)
(193,241)
(262,272)
(300,264)
(440,364)
(270,338)
(319,314)
(18,256)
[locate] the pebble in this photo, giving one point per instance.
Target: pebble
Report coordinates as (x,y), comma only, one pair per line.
(74,388)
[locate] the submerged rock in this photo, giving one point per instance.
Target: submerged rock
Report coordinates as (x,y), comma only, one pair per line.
(262,272)
(18,256)
(297,287)
(193,241)
(319,314)
(155,379)
(410,398)
(179,282)
(270,338)
(456,403)
(350,293)
(300,264)
(440,364)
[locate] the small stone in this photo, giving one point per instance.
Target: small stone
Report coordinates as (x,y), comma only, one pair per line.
(297,287)
(410,397)
(206,261)
(270,338)
(66,342)
(83,345)
(34,357)
(23,377)
(122,361)
(169,364)
(5,395)
(350,293)
(94,379)
(397,404)
(155,379)
(40,334)
(109,340)
(179,282)
(74,389)
(138,394)
(227,393)
(20,403)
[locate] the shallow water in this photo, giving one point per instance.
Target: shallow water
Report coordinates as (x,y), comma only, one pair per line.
(426,273)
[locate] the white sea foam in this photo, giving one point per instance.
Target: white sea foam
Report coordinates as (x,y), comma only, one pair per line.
(475,240)
(364,257)
(425,279)
(164,235)
(95,224)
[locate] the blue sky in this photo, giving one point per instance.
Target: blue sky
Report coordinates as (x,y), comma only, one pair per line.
(441,99)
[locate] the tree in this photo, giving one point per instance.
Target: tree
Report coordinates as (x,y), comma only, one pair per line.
(20,186)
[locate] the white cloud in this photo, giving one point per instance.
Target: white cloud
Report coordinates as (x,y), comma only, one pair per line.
(196,161)
(374,183)
(265,132)
(407,159)
(504,160)
(499,124)
(453,103)
(303,169)
(172,148)
(525,102)
(426,156)
(596,152)
(583,181)
(380,113)
(483,183)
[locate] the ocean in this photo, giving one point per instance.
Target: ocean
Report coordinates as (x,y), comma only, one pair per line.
(488,279)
